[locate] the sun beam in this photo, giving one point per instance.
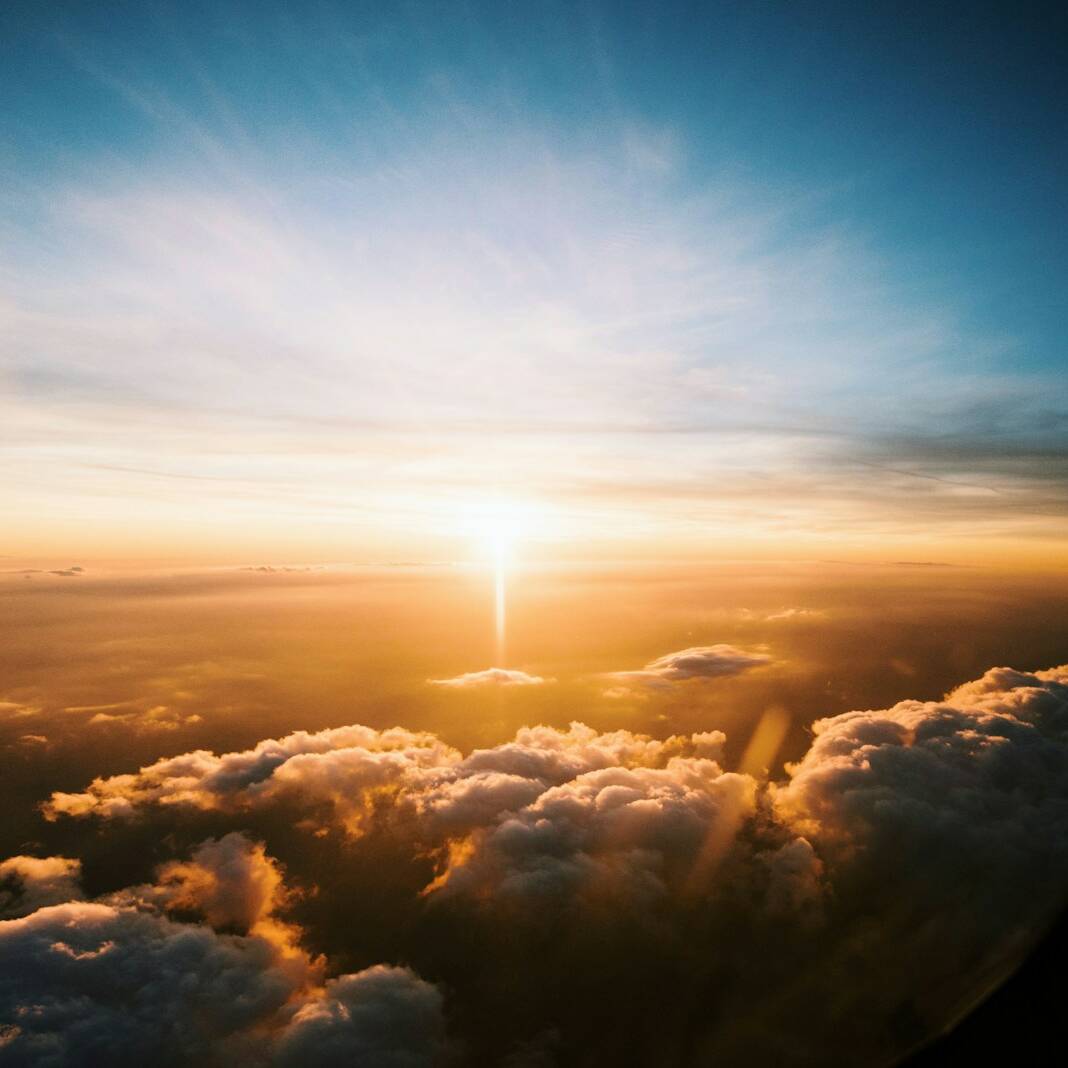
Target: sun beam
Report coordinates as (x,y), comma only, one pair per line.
(498,526)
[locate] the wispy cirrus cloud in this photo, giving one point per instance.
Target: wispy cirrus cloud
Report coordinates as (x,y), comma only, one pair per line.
(605,364)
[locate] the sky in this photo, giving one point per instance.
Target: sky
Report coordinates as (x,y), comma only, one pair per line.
(736,281)
(533,534)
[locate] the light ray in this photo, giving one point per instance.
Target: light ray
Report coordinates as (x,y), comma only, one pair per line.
(499,555)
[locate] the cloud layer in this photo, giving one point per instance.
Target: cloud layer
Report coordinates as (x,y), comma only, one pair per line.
(545,900)
(119,982)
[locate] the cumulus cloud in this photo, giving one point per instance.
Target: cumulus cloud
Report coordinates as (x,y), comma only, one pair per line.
(382,1016)
(837,916)
(118,981)
(698,662)
(28,883)
(231,883)
(634,832)
(355,759)
(960,788)
(350,770)
(87,983)
(494,676)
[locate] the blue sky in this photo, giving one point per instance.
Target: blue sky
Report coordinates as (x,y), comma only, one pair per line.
(618,258)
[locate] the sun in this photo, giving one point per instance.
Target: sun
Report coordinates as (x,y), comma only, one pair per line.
(497,526)
(500,525)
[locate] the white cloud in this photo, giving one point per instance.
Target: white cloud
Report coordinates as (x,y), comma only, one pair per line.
(91,983)
(952,787)
(494,676)
(698,662)
(117,982)
(794,615)
(914,848)
(382,1016)
(360,757)
(28,883)
(230,882)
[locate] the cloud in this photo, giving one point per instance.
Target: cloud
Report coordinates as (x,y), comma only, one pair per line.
(116,981)
(274,569)
(28,883)
(141,715)
(783,615)
(18,710)
(793,615)
(154,719)
(954,786)
(493,676)
(634,834)
(698,662)
(339,765)
(230,882)
(33,741)
(87,983)
(349,769)
(563,333)
(843,914)
(382,1016)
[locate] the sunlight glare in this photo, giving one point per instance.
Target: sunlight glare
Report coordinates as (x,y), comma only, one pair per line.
(497,526)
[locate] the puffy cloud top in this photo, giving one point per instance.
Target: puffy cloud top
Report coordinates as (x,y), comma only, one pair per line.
(27,883)
(91,983)
(837,916)
(382,1016)
(231,883)
(961,788)
(349,767)
(353,757)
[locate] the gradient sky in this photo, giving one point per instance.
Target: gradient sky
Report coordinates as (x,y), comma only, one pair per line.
(704,279)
